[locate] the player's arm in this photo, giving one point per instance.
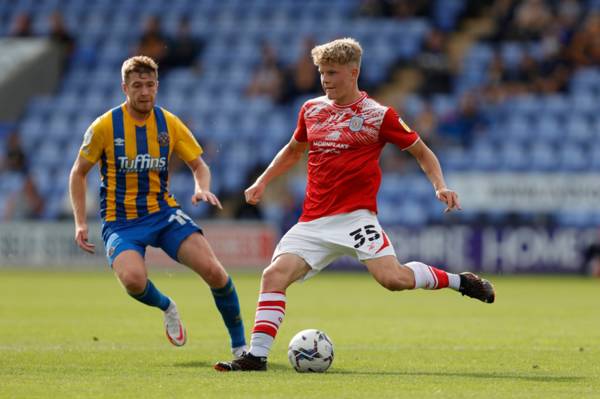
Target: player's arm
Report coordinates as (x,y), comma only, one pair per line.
(202,192)
(431,166)
(287,157)
(77,191)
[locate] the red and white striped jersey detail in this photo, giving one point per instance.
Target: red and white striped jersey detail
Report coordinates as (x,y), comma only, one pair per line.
(269,313)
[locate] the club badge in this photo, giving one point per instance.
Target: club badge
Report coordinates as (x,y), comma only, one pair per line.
(356,123)
(163,139)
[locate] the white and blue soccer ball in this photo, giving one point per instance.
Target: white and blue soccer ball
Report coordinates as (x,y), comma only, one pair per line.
(310,351)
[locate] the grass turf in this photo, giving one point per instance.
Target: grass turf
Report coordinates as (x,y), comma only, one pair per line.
(74,334)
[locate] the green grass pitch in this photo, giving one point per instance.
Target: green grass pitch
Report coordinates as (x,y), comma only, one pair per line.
(75,334)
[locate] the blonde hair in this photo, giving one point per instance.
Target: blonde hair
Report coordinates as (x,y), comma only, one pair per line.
(138,64)
(340,51)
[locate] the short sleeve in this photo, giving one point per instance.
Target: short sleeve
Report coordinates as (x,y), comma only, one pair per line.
(394,130)
(186,146)
(93,142)
(300,133)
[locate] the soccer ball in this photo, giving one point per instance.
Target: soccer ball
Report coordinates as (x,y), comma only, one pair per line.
(310,351)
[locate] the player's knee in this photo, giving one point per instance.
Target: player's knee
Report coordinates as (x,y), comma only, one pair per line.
(134,282)
(273,278)
(214,274)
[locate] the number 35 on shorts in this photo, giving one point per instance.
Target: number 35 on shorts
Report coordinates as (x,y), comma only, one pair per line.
(364,234)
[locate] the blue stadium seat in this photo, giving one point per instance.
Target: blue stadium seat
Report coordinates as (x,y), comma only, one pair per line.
(526,104)
(483,156)
(578,130)
(555,104)
(528,133)
(547,129)
(573,158)
(455,159)
(542,157)
(513,157)
(518,129)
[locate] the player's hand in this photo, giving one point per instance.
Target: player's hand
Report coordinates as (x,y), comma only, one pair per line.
(254,193)
(81,238)
(206,196)
(448,197)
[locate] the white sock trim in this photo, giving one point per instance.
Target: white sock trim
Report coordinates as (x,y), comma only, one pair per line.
(453,281)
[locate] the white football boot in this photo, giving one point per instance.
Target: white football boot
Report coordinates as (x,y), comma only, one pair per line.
(174,327)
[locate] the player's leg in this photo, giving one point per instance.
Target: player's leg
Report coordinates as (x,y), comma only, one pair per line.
(270,312)
(372,246)
(131,271)
(395,277)
(196,253)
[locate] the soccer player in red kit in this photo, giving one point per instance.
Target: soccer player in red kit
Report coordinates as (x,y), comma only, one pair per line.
(344,133)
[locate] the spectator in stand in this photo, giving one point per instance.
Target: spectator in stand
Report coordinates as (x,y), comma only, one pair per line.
(532,18)
(60,35)
(302,78)
(461,127)
(585,46)
(376,8)
(23,198)
(426,123)
(153,43)
(434,64)
(502,12)
(268,77)
(185,49)
(22,26)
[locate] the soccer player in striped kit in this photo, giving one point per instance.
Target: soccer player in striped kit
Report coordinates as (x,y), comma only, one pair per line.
(344,133)
(133,143)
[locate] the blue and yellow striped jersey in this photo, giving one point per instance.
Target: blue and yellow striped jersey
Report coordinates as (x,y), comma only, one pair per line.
(134,160)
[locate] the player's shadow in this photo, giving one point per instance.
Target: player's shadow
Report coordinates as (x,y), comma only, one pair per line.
(203,364)
(507,376)
(194,364)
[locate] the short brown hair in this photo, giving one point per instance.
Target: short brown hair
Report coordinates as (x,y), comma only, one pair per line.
(138,64)
(340,51)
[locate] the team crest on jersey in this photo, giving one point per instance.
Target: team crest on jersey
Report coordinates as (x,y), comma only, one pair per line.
(356,123)
(163,139)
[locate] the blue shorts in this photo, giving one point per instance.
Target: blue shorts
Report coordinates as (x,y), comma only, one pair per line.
(164,229)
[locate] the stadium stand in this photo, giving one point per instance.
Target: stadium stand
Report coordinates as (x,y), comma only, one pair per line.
(536,96)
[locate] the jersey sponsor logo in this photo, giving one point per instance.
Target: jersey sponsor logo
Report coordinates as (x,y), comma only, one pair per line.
(141,163)
(356,123)
(331,144)
(163,139)
(119,142)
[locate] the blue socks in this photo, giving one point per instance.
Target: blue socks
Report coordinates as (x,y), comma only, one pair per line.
(153,297)
(228,304)
(226,300)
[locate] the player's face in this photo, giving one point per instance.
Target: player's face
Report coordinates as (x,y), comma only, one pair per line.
(141,89)
(339,81)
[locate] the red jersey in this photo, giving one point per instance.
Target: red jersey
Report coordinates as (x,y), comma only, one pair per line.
(345,143)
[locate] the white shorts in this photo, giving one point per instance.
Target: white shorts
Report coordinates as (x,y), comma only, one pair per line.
(321,241)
